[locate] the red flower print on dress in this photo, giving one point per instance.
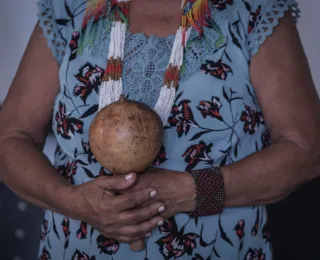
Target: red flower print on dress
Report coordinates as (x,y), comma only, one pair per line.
(66,230)
(210,108)
(253,19)
(68,171)
(265,138)
(102,172)
(81,256)
(197,153)
(90,77)
(44,255)
(255,228)
(58,150)
(73,45)
(182,117)
(252,120)
(266,233)
(44,230)
(161,158)
(87,150)
(67,126)
(82,231)
(255,254)
(253,15)
(221,4)
(217,69)
(239,228)
(107,246)
(175,243)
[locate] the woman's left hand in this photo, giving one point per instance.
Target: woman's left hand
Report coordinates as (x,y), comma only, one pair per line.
(175,189)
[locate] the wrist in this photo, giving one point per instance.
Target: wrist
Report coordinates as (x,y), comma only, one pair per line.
(188,198)
(62,194)
(210,193)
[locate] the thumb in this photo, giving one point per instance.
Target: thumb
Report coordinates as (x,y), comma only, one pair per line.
(117,182)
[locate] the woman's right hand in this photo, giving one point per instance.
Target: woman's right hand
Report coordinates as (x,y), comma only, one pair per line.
(127,217)
(24,120)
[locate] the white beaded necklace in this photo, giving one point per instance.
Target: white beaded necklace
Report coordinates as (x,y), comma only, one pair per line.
(194,14)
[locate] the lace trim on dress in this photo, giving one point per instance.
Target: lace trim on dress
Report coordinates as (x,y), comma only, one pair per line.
(47,22)
(268,20)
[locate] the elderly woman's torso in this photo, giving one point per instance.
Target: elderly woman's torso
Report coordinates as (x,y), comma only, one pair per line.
(215,120)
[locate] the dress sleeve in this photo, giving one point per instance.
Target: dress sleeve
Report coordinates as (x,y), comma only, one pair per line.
(52,19)
(264,16)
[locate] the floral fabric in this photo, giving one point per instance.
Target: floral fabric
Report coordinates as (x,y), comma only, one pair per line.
(215,121)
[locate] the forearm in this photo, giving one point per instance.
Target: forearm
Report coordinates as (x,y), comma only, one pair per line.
(269,175)
(30,174)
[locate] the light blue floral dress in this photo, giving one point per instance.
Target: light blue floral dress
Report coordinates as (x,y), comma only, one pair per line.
(215,120)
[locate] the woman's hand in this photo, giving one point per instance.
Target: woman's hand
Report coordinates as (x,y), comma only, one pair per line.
(175,189)
(127,217)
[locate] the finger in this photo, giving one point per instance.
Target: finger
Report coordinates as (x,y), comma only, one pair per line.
(117,182)
(134,199)
(138,215)
(141,229)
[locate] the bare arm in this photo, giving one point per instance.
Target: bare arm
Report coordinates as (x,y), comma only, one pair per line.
(283,84)
(24,118)
(23,127)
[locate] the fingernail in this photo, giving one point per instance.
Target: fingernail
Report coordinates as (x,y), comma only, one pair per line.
(148,235)
(129,176)
(153,194)
(161,209)
(160,223)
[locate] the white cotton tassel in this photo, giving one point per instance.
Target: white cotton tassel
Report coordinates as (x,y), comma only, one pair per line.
(165,102)
(111,90)
(102,94)
(167,93)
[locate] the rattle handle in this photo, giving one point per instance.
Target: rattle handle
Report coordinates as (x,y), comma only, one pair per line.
(137,246)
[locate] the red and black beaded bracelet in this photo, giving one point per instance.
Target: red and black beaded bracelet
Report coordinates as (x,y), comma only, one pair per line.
(210,191)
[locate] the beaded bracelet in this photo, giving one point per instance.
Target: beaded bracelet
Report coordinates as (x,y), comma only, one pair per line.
(210,191)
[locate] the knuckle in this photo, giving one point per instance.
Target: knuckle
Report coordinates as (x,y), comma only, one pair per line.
(123,219)
(133,219)
(152,210)
(145,196)
(146,214)
(138,198)
(134,232)
(148,226)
